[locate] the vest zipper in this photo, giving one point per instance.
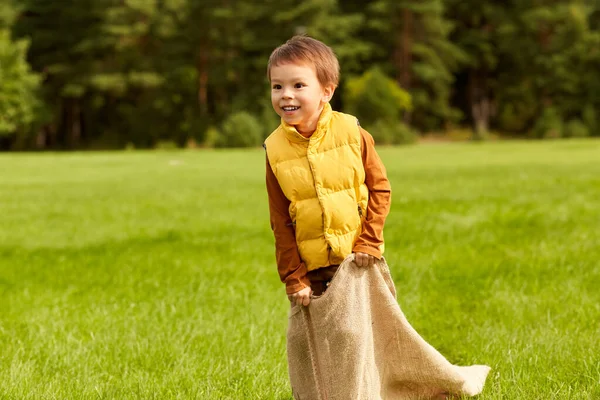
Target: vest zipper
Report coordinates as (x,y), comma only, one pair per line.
(360,212)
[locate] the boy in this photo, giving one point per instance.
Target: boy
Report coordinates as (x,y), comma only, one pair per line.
(329,197)
(328,190)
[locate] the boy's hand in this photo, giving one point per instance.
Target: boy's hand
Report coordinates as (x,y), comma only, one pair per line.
(301,298)
(363,259)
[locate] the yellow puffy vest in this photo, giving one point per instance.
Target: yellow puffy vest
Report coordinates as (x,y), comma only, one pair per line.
(324,178)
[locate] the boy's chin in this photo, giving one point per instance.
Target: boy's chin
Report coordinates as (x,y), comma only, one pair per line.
(291,121)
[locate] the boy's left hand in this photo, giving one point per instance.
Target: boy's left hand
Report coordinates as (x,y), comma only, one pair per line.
(363,259)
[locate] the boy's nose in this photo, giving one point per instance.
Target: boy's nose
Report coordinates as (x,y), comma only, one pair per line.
(287,94)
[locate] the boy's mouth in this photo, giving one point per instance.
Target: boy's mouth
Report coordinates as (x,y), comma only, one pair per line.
(290,108)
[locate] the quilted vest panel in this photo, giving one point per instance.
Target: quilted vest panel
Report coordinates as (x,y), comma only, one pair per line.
(323,177)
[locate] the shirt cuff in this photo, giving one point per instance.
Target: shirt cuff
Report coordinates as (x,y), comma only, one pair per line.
(296,285)
(375,252)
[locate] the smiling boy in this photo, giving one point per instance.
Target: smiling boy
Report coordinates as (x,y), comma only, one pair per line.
(328,190)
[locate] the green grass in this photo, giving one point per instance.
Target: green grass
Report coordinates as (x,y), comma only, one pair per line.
(151,275)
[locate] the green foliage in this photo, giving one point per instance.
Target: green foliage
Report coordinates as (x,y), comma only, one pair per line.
(18,86)
(386,132)
(516,111)
(413,43)
(268,117)
(134,71)
(8,13)
(240,129)
(324,20)
(576,129)
(544,53)
(549,125)
(166,145)
(590,119)
(373,96)
(211,137)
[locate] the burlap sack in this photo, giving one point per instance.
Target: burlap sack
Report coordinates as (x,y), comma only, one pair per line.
(354,343)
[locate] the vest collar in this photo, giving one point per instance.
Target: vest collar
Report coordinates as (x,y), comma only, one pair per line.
(322,126)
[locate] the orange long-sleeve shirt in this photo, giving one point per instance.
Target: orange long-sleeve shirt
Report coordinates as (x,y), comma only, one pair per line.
(292,270)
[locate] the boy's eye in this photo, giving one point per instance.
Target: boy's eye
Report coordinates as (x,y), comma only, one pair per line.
(299,85)
(276,87)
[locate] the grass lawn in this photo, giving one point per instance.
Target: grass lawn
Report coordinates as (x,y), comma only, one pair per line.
(151,275)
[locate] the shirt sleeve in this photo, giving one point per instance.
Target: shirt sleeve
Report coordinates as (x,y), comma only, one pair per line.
(292,271)
(380,194)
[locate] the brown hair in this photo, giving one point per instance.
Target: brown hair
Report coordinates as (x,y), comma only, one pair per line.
(304,49)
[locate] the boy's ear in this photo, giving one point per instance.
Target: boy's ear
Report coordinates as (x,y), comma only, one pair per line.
(328,93)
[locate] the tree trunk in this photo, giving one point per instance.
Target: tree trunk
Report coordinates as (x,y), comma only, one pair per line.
(481,116)
(202,69)
(407,39)
(403,54)
(40,139)
(480,103)
(75,123)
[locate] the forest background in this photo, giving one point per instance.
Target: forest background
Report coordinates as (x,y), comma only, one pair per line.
(102,74)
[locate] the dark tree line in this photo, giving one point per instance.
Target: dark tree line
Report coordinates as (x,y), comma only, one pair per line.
(110,73)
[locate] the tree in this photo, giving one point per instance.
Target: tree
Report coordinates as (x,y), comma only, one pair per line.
(422,57)
(475,25)
(19,103)
(117,72)
(545,51)
(66,45)
(374,96)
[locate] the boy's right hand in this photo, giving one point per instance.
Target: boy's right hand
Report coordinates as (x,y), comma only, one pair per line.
(301,298)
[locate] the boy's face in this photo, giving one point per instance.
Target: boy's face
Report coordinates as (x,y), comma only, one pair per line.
(298,96)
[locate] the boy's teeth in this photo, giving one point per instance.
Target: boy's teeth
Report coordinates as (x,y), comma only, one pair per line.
(290,108)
